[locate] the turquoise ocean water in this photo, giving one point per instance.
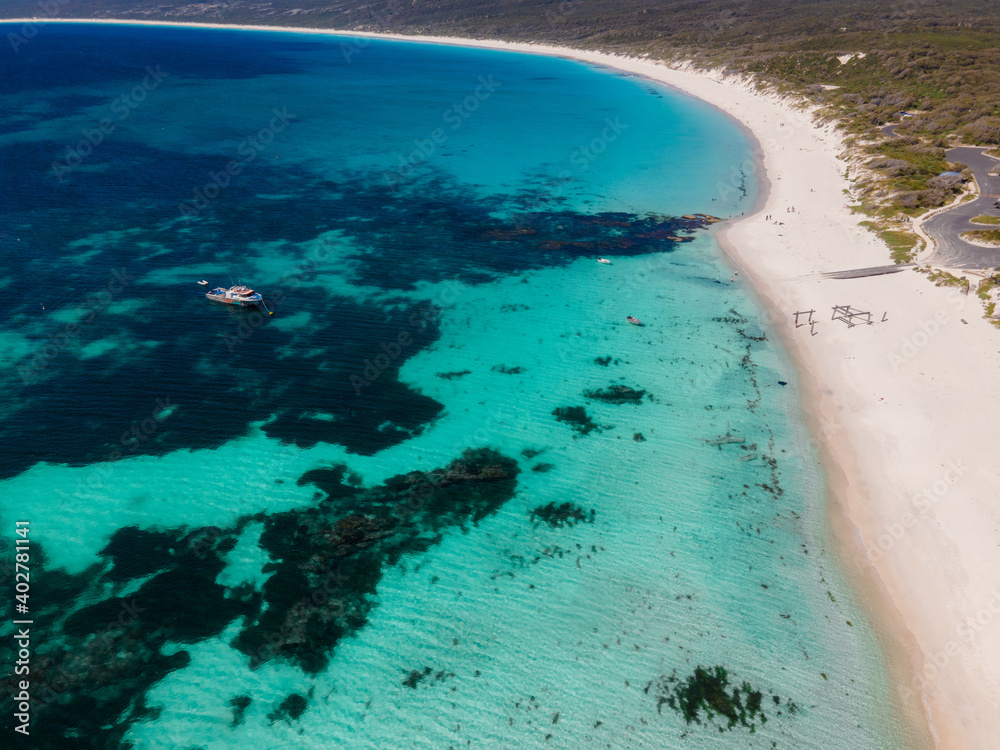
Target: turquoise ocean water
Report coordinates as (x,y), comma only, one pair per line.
(445,496)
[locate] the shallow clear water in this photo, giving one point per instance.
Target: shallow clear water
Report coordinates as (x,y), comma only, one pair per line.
(424,222)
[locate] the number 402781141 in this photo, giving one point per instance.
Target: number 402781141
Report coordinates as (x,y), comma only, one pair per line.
(21,559)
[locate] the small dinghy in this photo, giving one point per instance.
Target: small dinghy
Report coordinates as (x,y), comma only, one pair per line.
(603,260)
(202,283)
(633,320)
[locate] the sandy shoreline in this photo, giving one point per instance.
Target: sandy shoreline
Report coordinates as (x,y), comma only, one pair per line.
(902,411)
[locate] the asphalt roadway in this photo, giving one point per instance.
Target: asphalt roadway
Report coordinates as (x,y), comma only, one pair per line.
(951,250)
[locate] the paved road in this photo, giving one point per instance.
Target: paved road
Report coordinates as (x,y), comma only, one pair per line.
(890,130)
(945,227)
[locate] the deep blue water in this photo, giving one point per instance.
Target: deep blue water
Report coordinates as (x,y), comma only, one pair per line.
(444,495)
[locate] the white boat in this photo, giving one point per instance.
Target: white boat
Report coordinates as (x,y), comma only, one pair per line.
(203,283)
(603,260)
(236,295)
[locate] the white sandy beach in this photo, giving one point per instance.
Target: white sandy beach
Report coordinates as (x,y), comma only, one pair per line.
(903,411)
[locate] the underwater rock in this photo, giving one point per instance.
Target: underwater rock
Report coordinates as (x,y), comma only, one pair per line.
(329,558)
(290,709)
(508,370)
(705,694)
(453,375)
(617,394)
(331,481)
(577,418)
(240,705)
(543,468)
(564,514)
(530,453)
(414,678)
(102,658)
(638,437)
(137,552)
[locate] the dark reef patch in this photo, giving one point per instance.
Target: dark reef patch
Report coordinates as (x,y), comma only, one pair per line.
(330,558)
(240,705)
(543,468)
(577,418)
(91,684)
(454,374)
(119,397)
(564,514)
(706,694)
(89,688)
(289,709)
(503,369)
(332,481)
(618,394)
(417,676)
(414,678)
(139,552)
(337,382)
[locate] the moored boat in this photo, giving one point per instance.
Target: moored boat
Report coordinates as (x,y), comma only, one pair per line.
(634,320)
(236,295)
(603,260)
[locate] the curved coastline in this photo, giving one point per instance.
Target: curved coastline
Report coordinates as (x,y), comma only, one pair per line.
(869,490)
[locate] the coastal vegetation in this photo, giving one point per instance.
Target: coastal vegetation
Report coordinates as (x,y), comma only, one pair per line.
(983,236)
(902,244)
(986,290)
